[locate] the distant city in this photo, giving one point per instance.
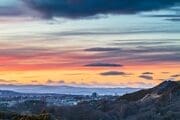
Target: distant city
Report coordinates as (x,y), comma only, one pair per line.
(58,96)
(69,90)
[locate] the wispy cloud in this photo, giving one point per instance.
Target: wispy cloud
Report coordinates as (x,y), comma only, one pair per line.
(30,57)
(55,81)
(175,76)
(7,81)
(147,77)
(165,72)
(113,73)
(101,49)
(173,15)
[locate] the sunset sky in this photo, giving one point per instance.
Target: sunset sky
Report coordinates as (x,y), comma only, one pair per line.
(89,42)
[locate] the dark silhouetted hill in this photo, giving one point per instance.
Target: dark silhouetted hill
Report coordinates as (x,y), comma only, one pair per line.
(159,103)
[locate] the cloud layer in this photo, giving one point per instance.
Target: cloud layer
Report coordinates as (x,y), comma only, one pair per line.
(83,8)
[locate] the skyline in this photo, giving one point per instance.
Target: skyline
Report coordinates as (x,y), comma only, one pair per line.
(118,45)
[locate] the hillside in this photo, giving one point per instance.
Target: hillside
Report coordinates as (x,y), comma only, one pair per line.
(161,89)
(158,103)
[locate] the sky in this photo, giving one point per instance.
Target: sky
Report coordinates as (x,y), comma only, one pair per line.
(102,43)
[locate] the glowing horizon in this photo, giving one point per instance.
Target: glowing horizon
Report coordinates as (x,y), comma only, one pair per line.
(138,49)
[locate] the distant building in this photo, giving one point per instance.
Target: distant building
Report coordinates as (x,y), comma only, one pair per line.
(94,95)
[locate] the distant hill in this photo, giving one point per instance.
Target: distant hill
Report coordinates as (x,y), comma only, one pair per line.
(67,90)
(8,93)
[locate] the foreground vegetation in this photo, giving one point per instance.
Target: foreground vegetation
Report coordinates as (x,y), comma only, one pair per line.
(14,116)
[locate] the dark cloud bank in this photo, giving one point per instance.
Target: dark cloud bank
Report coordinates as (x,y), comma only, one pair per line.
(85,8)
(100,49)
(147,77)
(113,73)
(147,73)
(103,65)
